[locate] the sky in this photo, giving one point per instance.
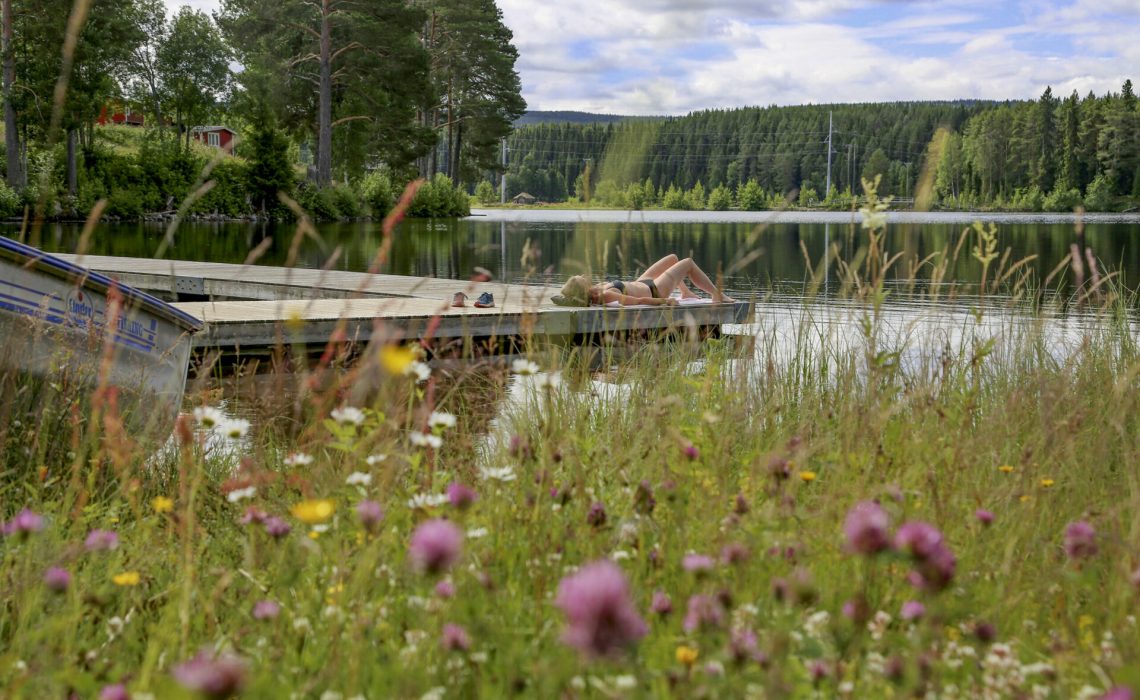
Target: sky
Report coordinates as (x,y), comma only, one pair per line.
(672,57)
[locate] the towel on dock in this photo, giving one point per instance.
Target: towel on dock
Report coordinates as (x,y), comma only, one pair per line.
(682,302)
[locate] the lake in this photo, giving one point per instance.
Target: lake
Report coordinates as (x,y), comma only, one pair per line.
(759,253)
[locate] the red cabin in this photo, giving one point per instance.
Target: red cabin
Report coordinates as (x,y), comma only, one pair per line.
(127,116)
(216,136)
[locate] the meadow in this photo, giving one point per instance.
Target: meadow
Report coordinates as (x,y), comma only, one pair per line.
(716,519)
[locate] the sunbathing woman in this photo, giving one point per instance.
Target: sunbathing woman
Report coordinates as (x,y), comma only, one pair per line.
(654,286)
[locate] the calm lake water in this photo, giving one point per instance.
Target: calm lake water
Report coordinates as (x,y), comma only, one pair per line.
(758,254)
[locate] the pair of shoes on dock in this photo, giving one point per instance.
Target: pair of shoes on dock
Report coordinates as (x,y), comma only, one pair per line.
(485,301)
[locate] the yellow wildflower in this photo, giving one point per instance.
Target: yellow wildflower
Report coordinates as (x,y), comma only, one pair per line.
(687,655)
(1047,483)
(127,578)
(952,633)
(314,510)
(396,358)
(1024,498)
(1005,469)
(162,504)
(314,534)
(807,477)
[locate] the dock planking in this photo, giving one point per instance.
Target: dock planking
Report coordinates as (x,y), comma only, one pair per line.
(251,309)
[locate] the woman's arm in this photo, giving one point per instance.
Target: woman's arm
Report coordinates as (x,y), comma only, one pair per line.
(626,300)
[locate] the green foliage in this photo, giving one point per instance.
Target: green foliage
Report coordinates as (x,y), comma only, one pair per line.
(229,196)
(1099,196)
(608,194)
(808,197)
(11,204)
(720,199)
(439,198)
(270,170)
(1062,200)
(695,197)
(318,202)
(348,203)
(674,198)
(751,196)
(377,193)
(1028,199)
(485,193)
(635,196)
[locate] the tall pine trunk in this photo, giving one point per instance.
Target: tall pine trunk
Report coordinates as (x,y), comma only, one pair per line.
(11,134)
(324,115)
(72,169)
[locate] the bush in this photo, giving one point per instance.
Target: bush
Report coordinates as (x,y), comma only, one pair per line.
(347,201)
(695,198)
(485,193)
(1099,195)
(10,203)
(1063,200)
(750,196)
(674,198)
(635,196)
(378,194)
(720,199)
(1028,199)
(318,203)
(439,198)
(229,196)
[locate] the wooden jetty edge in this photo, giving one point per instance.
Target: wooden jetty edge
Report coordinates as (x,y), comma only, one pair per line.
(251,309)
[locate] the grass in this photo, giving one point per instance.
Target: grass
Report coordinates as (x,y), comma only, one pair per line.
(753,456)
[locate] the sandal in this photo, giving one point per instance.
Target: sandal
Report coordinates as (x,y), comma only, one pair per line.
(460,299)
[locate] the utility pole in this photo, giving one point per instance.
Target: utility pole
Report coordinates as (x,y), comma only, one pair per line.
(503,181)
(827,192)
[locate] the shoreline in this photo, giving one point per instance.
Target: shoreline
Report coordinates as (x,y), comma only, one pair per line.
(669,216)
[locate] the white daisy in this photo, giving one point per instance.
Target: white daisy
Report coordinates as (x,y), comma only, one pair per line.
(241,494)
(547,380)
(476,532)
(419,370)
(425,439)
(524,367)
(358,479)
(427,500)
(233,428)
(347,415)
(298,459)
(208,416)
(440,418)
(500,474)
(373,460)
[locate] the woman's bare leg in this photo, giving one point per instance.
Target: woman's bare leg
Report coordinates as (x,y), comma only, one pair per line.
(658,267)
(667,281)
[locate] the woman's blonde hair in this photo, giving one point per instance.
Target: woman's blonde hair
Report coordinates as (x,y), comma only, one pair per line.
(577,288)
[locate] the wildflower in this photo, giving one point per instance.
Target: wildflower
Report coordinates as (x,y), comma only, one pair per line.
(524,367)
(1005,469)
(370,514)
(276,528)
(807,476)
(454,638)
(347,415)
(460,496)
(440,419)
(686,655)
(314,510)
(985,632)
(643,500)
(426,500)
(445,589)
(702,611)
(252,514)
(236,495)
(697,563)
(600,617)
(547,380)
(918,538)
(596,516)
(690,450)
(208,416)
(1047,483)
(375,459)
(425,439)
(984,517)
(435,546)
(743,645)
(266,610)
(419,371)
(126,578)
(101,540)
(503,474)
(116,691)
(733,553)
(818,669)
(358,479)
(661,604)
(520,447)
(57,579)
(1116,693)
(298,459)
(873,219)
(912,610)
(212,675)
(25,522)
(740,505)
(233,428)
(779,468)
(397,359)
(866,528)
(162,504)
(1080,540)
(856,609)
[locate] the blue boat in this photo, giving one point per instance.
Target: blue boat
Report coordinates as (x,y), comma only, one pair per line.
(58,319)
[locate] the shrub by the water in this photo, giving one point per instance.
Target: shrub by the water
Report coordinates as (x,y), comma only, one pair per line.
(440,197)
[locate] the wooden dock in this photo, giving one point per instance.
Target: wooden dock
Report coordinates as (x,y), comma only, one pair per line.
(250,309)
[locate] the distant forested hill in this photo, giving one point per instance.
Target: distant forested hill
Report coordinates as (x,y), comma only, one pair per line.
(566,117)
(1015,154)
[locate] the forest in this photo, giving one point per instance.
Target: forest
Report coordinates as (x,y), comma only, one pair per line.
(334,103)
(1047,154)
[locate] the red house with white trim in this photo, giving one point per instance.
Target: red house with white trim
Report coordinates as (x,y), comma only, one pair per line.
(216,136)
